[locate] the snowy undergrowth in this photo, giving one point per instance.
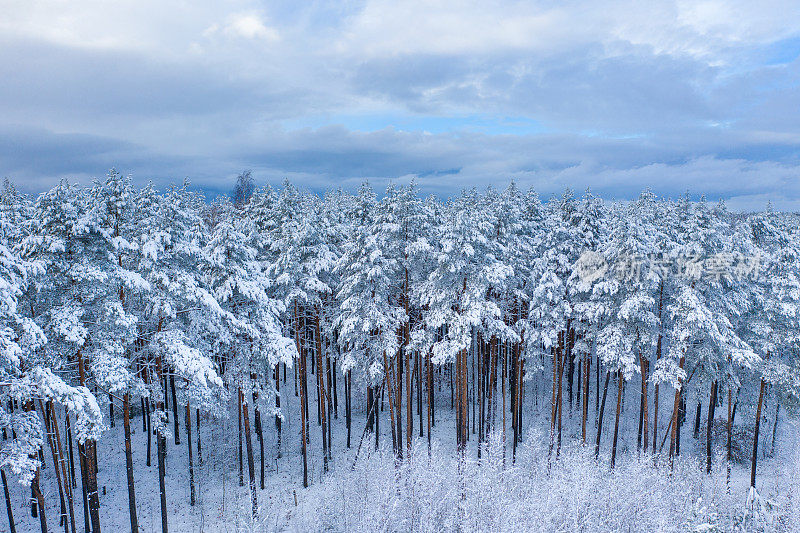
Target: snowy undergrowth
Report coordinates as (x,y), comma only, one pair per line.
(572,493)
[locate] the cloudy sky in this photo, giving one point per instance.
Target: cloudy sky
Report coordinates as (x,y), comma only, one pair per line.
(698,96)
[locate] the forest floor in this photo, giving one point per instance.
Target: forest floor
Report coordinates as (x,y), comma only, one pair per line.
(284,505)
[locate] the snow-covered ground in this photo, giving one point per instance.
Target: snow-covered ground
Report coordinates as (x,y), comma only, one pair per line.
(574,493)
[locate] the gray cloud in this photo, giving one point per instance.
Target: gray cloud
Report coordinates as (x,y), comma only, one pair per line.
(667,97)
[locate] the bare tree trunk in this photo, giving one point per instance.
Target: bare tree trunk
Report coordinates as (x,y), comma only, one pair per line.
(429,372)
(148,430)
(278,406)
(491,386)
(585,410)
(70,451)
(241,436)
(321,392)
(335,389)
(46,412)
(161,442)
(675,409)
(177,428)
(560,399)
(503,381)
(303,409)
(600,417)
(570,361)
(728,430)
(398,399)
(111,410)
(90,465)
(37,493)
(11,526)
(388,380)
(517,402)
(251,469)
(709,425)
(199,447)
(407,357)
(464,393)
(347,399)
(64,471)
(658,356)
(620,379)
(553,408)
(418,359)
(755,437)
(84,487)
(126,422)
(259,435)
(188,417)
(644,368)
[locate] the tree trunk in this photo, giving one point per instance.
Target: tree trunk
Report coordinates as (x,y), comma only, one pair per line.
(728,430)
(755,437)
(11,526)
(409,406)
(37,493)
(144,418)
(644,368)
(70,451)
(46,412)
(84,487)
(658,356)
(696,431)
(418,359)
(570,360)
(347,396)
(600,417)
(377,420)
(620,379)
(199,446)
(303,411)
(681,421)
(188,417)
(517,402)
(407,357)
(388,380)
(111,410)
(709,425)
(464,393)
(64,471)
(675,409)
(585,411)
(321,392)
(398,399)
(335,389)
(481,392)
(503,381)
(177,428)
(429,372)
(241,436)
(126,422)
(553,396)
(161,444)
(278,406)
(251,469)
(89,465)
(560,399)
(259,436)
(149,431)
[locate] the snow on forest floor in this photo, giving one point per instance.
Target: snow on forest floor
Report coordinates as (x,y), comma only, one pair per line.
(574,493)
